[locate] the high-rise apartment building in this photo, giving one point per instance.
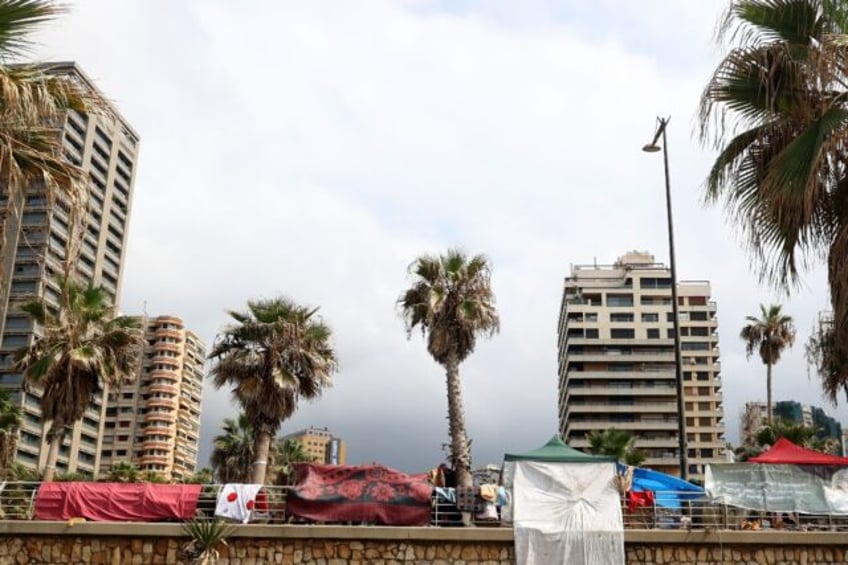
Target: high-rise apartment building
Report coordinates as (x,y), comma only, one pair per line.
(617,362)
(154,422)
(321,445)
(36,238)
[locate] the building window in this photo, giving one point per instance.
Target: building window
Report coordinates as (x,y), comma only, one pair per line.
(649,282)
(653,333)
(616,300)
(650,317)
(591,333)
(622,333)
(621,317)
(591,316)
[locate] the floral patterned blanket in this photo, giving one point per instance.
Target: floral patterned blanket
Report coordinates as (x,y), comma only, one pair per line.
(369,494)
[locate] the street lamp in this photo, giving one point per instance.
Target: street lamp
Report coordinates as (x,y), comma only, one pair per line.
(652,147)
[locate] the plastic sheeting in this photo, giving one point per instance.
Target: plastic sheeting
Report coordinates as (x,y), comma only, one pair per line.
(116,502)
(808,489)
(566,513)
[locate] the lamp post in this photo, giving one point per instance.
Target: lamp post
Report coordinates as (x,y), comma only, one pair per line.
(652,147)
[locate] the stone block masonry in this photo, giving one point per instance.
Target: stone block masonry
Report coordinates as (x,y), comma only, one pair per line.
(28,543)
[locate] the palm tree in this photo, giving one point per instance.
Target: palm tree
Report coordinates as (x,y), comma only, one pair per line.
(232,451)
(276,353)
(287,452)
(452,302)
(83,348)
(123,472)
(10,422)
(769,334)
(777,108)
(799,434)
(618,443)
(34,103)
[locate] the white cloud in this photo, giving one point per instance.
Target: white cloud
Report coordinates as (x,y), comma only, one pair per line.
(314,149)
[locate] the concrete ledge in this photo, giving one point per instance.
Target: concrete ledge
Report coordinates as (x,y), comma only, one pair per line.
(735,537)
(23,527)
(503,534)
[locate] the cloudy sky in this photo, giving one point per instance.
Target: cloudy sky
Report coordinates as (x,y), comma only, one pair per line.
(314,149)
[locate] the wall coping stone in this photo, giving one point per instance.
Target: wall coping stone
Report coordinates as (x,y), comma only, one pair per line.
(503,534)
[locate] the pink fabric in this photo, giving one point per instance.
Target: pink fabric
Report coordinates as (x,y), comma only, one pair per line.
(116,502)
(785,452)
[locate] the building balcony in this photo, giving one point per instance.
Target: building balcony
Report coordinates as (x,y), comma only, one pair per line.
(634,357)
(571,425)
(636,390)
(159,415)
(168,403)
(168,332)
(165,346)
(169,374)
(159,431)
(664,461)
(156,444)
(155,459)
(163,388)
(635,408)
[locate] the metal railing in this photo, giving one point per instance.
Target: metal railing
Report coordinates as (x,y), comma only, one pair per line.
(17,502)
(705,514)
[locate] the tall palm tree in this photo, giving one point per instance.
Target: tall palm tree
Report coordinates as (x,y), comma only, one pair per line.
(777,109)
(769,334)
(10,422)
(83,348)
(275,353)
(452,303)
(618,443)
(232,451)
(33,103)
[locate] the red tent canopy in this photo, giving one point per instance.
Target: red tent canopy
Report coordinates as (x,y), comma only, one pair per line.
(784,451)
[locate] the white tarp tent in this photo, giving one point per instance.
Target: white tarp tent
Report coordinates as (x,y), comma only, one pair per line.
(565,507)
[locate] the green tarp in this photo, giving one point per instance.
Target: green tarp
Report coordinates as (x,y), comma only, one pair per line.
(557,451)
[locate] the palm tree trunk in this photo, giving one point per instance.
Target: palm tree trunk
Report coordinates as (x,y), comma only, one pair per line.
(52,457)
(260,463)
(768,393)
(460,453)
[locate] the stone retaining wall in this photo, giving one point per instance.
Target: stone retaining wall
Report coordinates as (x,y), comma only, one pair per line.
(26,543)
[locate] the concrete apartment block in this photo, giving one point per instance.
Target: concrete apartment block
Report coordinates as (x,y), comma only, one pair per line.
(616,361)
(36,238)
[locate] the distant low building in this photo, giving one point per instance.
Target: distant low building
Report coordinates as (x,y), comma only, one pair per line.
(321,445)
(755,417)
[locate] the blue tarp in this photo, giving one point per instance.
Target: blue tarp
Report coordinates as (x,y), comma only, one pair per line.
(668,490)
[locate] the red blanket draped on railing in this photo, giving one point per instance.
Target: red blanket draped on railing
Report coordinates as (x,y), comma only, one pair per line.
(366,494)
(116,502)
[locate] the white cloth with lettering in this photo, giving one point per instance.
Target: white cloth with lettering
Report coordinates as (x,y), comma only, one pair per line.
(237,501)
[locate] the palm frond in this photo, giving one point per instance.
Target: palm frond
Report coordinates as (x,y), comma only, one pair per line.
(18,19)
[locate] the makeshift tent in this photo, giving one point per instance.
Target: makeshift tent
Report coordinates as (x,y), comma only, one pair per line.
(785,452)
(786,478)
(565,507)
(668,490)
